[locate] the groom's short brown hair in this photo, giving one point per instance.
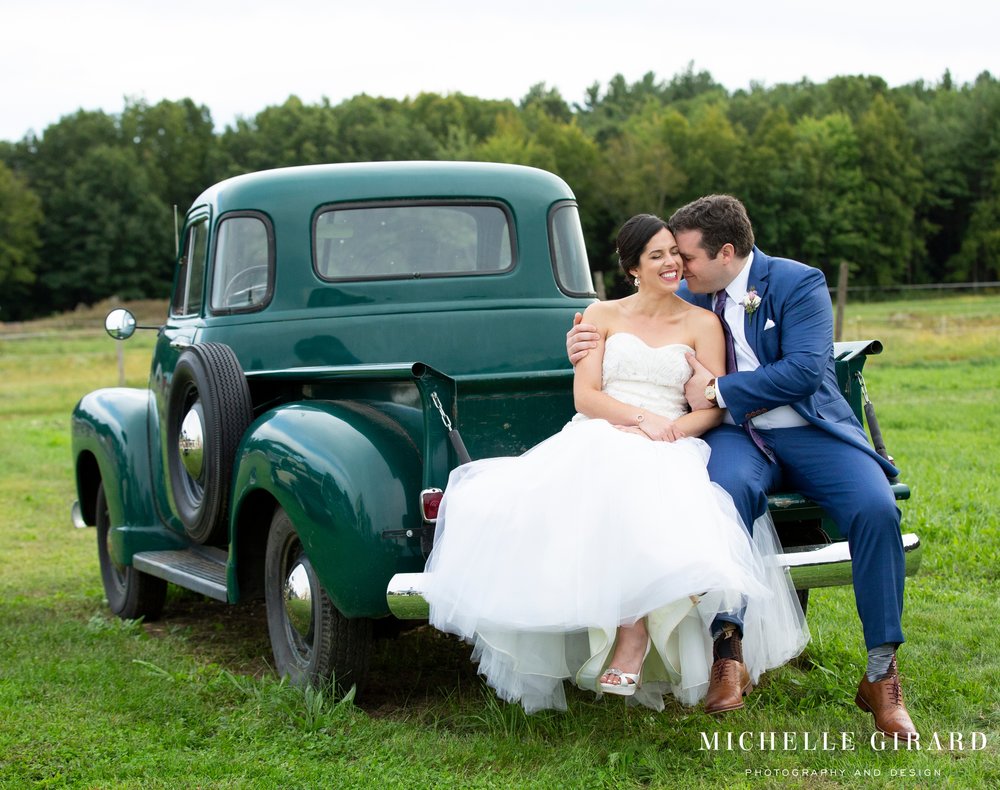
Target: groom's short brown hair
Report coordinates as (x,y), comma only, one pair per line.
(721,219)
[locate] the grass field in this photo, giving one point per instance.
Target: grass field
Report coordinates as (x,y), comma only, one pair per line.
(190,701)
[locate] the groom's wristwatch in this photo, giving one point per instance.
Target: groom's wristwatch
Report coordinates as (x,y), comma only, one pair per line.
(710,393)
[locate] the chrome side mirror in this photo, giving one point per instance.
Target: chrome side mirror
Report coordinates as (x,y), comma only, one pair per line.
(120,324)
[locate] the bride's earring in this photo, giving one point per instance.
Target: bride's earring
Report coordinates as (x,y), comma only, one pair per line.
(636,282)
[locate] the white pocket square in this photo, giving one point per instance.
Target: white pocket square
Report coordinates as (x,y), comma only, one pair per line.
(769,324)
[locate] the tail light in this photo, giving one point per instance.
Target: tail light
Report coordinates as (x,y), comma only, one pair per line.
(430,501)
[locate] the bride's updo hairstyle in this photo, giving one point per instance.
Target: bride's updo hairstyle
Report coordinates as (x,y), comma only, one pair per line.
(633,238)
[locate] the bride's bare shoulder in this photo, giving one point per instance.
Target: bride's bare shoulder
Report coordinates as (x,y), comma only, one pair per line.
(695,313)
(604,313)
(702,320)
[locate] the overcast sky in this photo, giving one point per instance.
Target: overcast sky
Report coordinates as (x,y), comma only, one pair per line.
(237,58)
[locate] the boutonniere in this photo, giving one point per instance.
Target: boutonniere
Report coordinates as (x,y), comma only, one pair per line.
(751,302)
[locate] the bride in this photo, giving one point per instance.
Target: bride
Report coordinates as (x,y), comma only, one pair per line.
(613,577)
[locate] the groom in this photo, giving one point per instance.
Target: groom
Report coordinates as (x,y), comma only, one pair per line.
(787,425)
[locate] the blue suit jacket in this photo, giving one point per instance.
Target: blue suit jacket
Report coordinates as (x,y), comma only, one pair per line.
(796,354)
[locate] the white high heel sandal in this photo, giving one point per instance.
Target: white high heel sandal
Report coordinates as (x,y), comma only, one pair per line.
(628,682)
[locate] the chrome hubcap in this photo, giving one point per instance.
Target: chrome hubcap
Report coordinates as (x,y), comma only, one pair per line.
(191,441)
(298,601)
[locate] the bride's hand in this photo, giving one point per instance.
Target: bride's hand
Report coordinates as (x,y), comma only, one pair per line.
(660,429)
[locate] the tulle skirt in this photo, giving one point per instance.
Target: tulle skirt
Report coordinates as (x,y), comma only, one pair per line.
(538,559)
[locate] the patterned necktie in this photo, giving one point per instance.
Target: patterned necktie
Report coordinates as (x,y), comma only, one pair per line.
(720,311)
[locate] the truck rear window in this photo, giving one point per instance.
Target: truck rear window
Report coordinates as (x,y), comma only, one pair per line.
(425,240)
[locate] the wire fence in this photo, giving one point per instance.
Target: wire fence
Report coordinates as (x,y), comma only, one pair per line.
(876,293)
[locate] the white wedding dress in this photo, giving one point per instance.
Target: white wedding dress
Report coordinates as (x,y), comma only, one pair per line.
(538,559)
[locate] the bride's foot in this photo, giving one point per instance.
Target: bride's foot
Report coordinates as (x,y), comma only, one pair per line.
(631,649)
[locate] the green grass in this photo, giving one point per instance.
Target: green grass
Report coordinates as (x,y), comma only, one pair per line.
(190,701)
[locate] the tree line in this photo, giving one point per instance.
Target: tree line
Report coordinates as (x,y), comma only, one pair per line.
(901,183)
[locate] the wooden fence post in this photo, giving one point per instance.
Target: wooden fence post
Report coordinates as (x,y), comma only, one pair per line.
(838,323)
(599,288)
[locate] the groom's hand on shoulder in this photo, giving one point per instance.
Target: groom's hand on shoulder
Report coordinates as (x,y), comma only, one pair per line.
(580,339)
(694,389)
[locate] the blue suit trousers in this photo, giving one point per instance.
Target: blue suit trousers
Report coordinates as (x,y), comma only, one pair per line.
(848,484)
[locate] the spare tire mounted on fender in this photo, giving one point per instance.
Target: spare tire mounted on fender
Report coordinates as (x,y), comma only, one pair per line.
(208,411)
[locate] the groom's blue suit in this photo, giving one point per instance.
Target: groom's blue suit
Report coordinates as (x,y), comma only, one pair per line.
(829,460)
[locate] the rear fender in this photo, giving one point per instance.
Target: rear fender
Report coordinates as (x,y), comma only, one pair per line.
(345,473)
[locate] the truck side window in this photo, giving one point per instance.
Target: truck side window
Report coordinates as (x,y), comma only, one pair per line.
(569,253)
(244,263)
(190,283)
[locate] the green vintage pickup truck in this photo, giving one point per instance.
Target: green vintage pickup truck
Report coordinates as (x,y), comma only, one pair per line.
(339,337)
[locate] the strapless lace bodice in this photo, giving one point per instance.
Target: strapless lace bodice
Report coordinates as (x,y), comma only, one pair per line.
(648,377)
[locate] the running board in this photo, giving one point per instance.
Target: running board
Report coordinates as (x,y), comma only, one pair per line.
(826,565)
(201,568)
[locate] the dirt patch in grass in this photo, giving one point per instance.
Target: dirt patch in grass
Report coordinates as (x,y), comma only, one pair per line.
(232,636)
(417,671)
(411,672)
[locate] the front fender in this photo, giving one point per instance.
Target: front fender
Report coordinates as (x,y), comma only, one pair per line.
(110,444)
(345,473)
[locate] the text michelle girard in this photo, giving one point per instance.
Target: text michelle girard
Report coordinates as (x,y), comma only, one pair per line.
(837,742)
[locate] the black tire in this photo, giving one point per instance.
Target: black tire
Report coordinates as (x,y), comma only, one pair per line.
(209,382)
(316,643)
(131,593)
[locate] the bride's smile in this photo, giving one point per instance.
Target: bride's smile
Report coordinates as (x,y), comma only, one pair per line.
(660,261)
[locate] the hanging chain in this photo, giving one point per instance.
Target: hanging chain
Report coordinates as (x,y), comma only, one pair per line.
(444,417)
(864,389)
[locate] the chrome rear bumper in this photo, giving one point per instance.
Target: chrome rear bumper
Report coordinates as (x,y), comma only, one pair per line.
(76,515)
(827,565)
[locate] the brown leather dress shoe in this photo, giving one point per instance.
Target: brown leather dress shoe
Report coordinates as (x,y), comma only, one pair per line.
(729,684)
(884,700)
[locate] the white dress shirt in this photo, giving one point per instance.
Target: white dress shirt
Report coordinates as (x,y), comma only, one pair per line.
(746,359)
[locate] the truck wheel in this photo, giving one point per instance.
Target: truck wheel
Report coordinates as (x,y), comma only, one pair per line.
(311,640)
(131,593)
(208,411)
